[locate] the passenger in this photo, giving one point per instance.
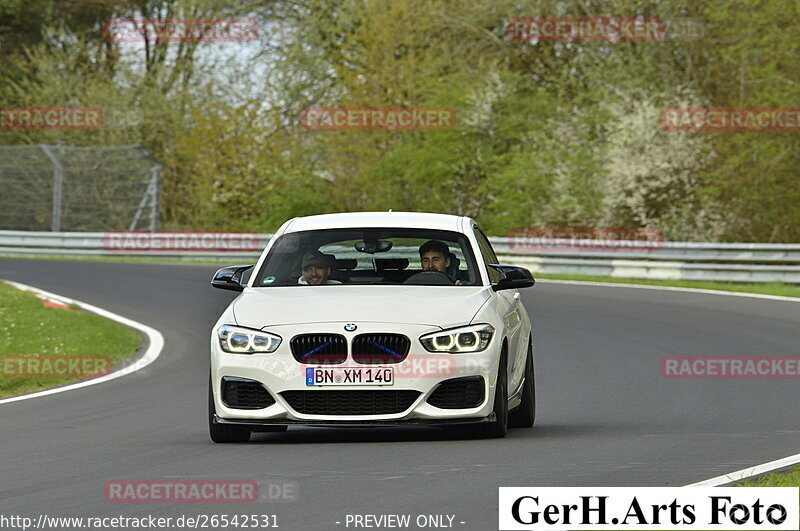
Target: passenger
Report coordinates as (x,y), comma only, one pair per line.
(316,270)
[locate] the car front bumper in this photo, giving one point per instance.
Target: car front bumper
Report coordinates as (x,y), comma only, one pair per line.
(421,372)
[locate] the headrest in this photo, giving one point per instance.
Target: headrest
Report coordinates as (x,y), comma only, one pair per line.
(346,264)
(382,264)
(331,259)
(452,269)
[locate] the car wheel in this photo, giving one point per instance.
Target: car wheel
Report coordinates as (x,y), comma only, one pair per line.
(223,433)
(498,428)
(525,415)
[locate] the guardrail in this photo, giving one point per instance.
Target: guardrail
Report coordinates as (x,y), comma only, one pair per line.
(725,262)
(734,262)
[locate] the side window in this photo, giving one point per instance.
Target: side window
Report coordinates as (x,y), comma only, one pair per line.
(488,254)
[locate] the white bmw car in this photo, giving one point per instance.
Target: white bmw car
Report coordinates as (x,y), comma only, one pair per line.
(373,318)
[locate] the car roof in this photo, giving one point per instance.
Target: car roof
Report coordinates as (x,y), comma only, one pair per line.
(403,220)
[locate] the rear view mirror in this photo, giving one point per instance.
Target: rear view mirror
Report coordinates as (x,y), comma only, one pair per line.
(230,277)
(373,246)
(512,277)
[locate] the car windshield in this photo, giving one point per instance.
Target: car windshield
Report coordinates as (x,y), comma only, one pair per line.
(369,256)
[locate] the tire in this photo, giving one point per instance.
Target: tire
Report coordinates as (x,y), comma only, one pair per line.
(499,428)
(525,415)
(223,433)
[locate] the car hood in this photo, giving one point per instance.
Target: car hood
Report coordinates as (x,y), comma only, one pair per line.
(442,306)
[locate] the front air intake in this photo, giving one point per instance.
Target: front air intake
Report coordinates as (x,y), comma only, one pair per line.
(319,349)
(380,348)
(383,402)
(458,393)
(242,393)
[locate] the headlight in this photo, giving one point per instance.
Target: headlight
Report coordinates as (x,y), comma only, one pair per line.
(466,339)
(240,340)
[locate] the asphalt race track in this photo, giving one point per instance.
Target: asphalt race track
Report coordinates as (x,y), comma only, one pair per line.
(605,416)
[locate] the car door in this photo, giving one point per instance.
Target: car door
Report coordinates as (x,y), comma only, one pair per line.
(511,308)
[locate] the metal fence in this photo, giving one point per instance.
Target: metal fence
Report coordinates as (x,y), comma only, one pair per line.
(54,187)
(730,262)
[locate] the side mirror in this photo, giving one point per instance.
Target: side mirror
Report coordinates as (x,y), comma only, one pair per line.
(230,277)
(512,277)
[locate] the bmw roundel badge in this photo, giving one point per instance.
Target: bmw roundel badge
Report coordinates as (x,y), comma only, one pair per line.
(350,327)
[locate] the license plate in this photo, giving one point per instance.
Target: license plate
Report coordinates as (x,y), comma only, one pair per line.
(350,376)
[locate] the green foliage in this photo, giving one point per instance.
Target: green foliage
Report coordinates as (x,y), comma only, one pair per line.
(755,62)
(549,133)
(230,169)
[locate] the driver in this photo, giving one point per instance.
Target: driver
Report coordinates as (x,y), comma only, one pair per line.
(316,270)
(435,256)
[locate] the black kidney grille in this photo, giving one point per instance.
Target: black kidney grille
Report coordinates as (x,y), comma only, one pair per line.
(380,348)
(241,393)
(319,349)
(381,402)
(458,393)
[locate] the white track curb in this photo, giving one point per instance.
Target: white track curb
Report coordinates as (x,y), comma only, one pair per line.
(748,472)
(154,349)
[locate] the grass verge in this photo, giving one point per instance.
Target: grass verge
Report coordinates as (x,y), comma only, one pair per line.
(790,478)
(773,288)
(42,347)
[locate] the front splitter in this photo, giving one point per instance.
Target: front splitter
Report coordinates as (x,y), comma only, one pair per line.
(353,423)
